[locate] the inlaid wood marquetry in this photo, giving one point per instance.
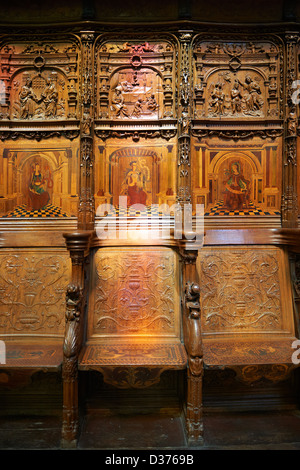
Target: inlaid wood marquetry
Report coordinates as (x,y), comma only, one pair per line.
(145,354)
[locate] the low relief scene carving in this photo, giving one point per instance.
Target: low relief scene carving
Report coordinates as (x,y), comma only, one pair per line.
(38,98)
(236,79)
(135,80)
(39,81)
(135,96)
(230,95)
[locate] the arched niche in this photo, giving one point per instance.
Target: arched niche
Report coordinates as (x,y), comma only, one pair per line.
(235,177)
(136,93)
(134,173)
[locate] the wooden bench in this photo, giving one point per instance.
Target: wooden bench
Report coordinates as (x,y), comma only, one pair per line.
(131,329)
(249,323)
(33,281)
(236,312)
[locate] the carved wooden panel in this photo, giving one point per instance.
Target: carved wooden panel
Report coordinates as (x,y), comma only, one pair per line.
(237,78)
(39,80)
(135,79)
(134,292)
(32,286)
(245,290)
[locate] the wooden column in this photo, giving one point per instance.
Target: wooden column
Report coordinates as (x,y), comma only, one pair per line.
(86,210)
(184,121)
(77,244)
(193,343)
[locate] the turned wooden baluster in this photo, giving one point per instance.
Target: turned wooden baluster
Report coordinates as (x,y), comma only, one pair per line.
(193,344)
(77,244)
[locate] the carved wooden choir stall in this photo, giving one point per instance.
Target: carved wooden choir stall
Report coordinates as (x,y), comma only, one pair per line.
(118,146)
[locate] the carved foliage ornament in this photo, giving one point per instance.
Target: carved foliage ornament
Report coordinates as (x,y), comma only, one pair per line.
(240,291)
(134,292)
(32,290)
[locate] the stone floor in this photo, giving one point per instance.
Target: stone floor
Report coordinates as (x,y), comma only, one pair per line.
(226,431)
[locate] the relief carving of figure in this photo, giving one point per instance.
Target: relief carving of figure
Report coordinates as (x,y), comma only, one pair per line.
(50,98)
(28,100)
(151,103)
(118,104)
(292,123)
(138,108)
(252,99)
(236,98)
(217,99)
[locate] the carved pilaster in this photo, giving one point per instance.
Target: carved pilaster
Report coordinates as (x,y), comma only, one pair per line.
(289,196)
(86,200)
(77,244)
(184,120)
(5,88)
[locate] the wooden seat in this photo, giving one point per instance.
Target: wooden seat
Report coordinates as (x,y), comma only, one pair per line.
(33,353)
(33,282)
(248,318)
(140,320)
(171,356)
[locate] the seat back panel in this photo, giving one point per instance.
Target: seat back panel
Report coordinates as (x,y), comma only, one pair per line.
(134,293)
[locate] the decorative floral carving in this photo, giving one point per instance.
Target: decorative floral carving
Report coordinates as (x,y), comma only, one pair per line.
(134,292)
(32,290)
(240,290)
